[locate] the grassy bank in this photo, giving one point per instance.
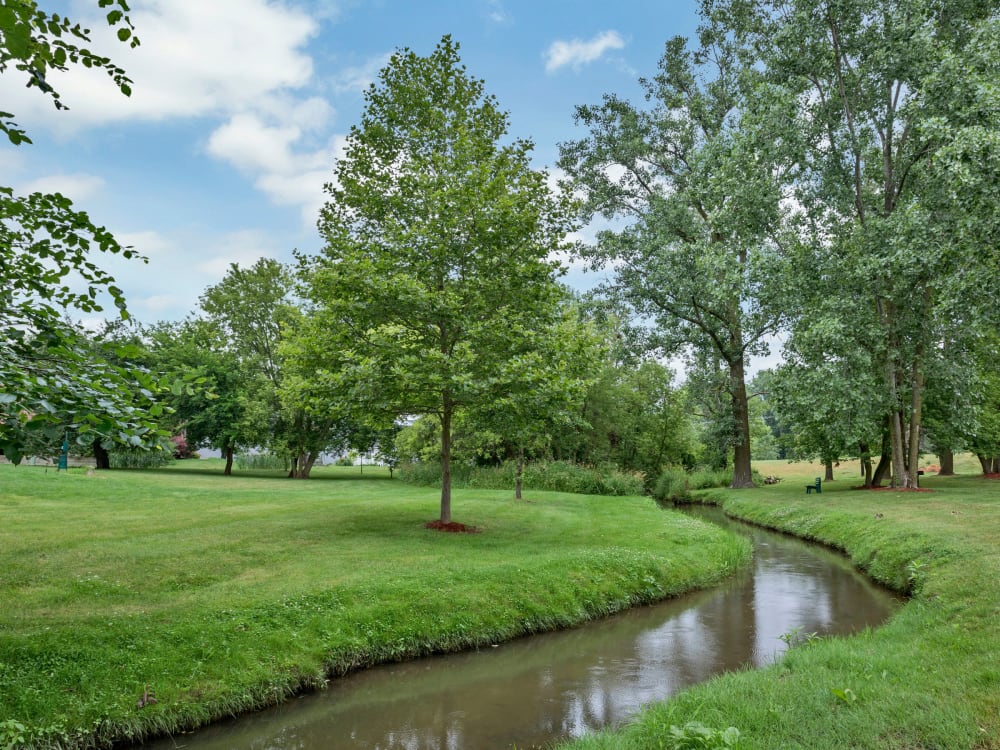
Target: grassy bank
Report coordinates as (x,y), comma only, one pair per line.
(135,602)
(928,679)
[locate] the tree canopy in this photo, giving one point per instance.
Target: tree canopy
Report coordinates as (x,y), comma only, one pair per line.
(436,269)
(693,176)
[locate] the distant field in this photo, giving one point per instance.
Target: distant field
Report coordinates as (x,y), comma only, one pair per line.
(850,471)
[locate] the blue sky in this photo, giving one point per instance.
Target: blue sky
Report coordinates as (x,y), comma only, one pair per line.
(240,106)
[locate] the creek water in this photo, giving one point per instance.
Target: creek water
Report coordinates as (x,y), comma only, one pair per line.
(533,691)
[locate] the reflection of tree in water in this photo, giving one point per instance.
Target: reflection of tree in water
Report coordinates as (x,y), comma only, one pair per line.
(538,689)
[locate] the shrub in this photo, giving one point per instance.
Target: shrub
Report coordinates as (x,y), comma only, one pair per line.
(181,448)
(703,479)
(557,476)
(135,458)
(675,485)
(672,486)
(423,473)
(260,462)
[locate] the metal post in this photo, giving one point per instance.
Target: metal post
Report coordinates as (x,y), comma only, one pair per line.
(64,456)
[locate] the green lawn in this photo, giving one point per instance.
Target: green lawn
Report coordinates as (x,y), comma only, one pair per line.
(930,678)
(217,594)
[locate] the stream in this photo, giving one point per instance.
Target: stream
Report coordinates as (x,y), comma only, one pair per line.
(542,688)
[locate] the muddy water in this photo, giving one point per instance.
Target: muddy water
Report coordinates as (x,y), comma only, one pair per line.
(538,689)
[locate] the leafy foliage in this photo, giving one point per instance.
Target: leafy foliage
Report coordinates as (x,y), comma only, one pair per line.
(435,275)
(35,42)
(880,266)
(60,380)
(52,379)
(693,176)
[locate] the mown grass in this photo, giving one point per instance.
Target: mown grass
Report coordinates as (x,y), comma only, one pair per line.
(216,594)
(930,678)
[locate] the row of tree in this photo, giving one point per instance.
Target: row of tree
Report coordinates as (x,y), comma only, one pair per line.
(827,170)
(263,379)
(823,171)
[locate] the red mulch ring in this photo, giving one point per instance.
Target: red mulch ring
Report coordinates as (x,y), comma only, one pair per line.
(454,528)
(992,476)
(893,489)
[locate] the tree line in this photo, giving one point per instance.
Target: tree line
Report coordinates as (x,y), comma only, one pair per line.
(817,173)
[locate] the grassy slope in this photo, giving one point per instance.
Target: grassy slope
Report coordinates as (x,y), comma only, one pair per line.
(928,679)
(222,594)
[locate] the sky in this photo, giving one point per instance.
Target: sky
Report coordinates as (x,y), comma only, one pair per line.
(239,109)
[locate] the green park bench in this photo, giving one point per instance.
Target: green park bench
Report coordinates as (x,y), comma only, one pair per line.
(816,485)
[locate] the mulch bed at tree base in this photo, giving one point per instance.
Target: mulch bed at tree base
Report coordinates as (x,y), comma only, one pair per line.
(452,527)
(991,476)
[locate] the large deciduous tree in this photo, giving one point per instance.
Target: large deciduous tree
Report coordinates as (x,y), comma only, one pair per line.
(438,237)
(874,82)
(253,309)
(221,412)
(692,177)
(548,382)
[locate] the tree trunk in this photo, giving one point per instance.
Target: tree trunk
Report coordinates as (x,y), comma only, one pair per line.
(446,415)
(741,415)
(828,476)
(900,477)
(304,463)
(866,463)
(996,465)
(916,411)
(228,450)
(101,458)
(884,462)
(985,462)
(897,434)
(519,473)
(947,459)
(882,470)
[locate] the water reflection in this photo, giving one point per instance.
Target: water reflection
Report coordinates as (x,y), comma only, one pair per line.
(541,688)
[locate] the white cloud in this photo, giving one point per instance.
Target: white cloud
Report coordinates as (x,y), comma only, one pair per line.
(303,188)
(155,306)
(497,13)
(241,63)
(149,244)
(79,187)
(11,162)
(359,78)
(239,60)
(578,52)
(182,264)
(280,160)
(249,144)
(244,248)
(196,58)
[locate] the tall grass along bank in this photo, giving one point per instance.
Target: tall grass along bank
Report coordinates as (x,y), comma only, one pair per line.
(930,678)
(141,602)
